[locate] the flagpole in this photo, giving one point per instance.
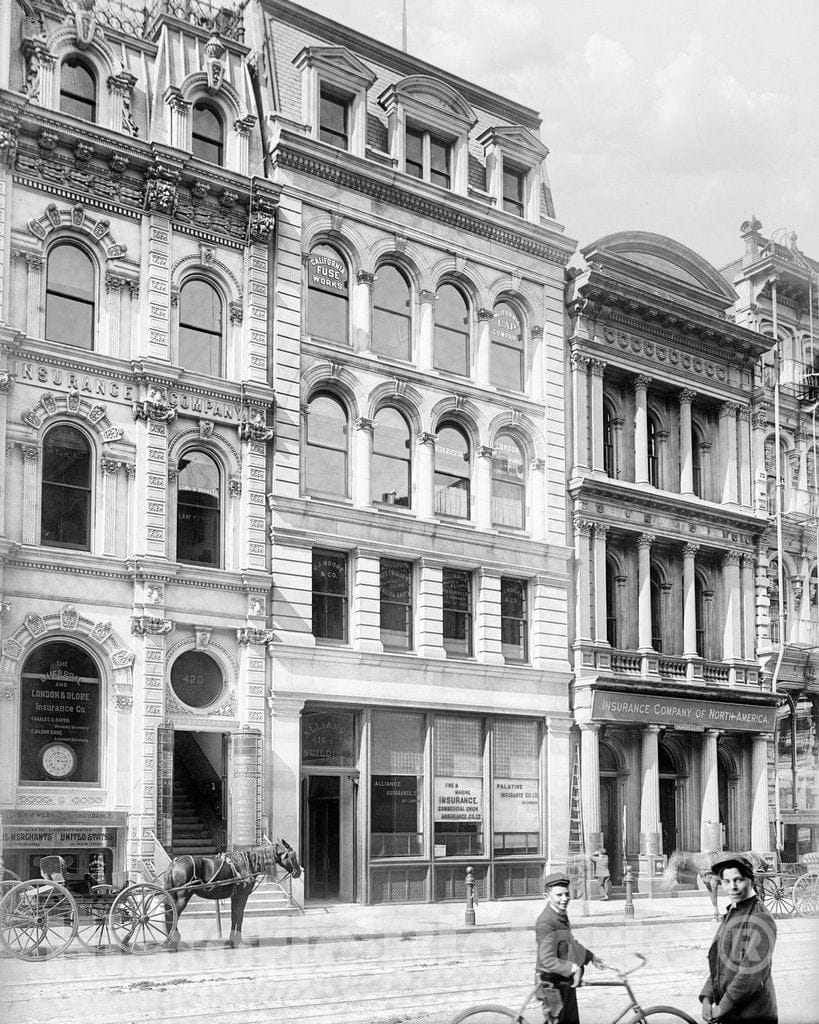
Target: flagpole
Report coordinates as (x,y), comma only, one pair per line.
(404,25)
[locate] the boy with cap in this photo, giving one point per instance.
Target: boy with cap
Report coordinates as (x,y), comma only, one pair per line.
(560,958)
(739,986)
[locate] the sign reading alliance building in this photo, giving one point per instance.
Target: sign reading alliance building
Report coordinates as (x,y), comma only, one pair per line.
(681,712)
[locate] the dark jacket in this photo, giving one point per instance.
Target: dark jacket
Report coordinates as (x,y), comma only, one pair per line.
(739,963)
(557,952)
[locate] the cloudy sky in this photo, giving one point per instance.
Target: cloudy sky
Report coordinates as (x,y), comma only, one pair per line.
(677,116)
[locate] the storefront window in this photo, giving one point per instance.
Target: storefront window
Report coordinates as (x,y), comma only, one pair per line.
(516,790)
(60,716)
(397,784)
(458,789)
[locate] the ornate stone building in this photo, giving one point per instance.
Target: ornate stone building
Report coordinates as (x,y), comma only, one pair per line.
(670,519)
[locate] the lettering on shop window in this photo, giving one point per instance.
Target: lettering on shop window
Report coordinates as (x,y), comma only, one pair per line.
(328,274)
(458,799)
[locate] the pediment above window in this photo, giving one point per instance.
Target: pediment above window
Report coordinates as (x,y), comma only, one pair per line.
(431,102)
(337,64)
(518,142)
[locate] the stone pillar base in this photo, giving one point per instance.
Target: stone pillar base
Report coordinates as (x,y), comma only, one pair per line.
(710,837)
(650,843)
(594,841)
(650,871)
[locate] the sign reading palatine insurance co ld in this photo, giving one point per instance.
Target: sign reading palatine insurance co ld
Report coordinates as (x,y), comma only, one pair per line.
(679,711)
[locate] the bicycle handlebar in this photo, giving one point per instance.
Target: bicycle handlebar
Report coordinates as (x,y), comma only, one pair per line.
(621,975)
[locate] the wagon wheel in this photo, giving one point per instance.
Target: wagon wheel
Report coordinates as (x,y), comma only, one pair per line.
(142,919)
(38,920)
(777,895)
(92,925)
(806,895)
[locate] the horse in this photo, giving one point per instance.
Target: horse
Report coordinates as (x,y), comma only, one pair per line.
(712,881)
(233,874)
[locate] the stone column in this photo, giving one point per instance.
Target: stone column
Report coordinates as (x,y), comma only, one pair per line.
(580,420)
(641,384)
(110,472)
(426,331)
(430,610)
(644,542)
(710,838)
(731,631)
(744,457)
(557,767)
(284,759)
(363,456)
(483,486)
(367,602)
(748,608)
(582,557)
(426,475)
(760,832)
(31,525)
(690,600)
(759,426)
(600,610)
(686,443)
(596,418)
(483,352)
(590,784)
(362,314)
(728,445)
(35,317)
(488,618)
(178,118)
(650,836)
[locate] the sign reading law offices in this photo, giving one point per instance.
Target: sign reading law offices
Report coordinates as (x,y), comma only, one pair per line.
(680,711)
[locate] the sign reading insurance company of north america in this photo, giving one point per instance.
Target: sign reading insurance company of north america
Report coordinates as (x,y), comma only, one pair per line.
(681,712)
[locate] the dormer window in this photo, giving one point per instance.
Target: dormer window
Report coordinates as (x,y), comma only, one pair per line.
(334,84)
(334,119)
(78,90)
(428,157)
(514,181)
(514,156)
(207,136)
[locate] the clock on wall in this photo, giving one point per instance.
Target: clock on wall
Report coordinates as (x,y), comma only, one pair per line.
(58,760)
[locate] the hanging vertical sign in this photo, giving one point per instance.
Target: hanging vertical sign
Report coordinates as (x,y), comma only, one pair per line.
(245,816)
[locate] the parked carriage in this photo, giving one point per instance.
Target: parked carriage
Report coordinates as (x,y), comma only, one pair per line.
(793,888)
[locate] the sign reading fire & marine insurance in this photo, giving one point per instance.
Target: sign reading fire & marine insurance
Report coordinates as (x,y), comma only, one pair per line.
(678,711)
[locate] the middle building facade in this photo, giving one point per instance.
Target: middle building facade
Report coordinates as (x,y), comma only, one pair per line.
(419,706)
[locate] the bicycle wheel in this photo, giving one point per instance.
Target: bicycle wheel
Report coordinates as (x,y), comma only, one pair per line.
(661,1015)
(485,1013)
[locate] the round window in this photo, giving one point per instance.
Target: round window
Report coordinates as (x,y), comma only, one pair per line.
(196,679)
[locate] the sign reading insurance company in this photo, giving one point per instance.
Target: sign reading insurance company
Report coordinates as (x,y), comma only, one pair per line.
(680,711)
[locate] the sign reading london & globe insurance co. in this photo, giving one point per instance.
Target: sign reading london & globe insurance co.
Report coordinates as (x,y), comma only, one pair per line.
(681,712)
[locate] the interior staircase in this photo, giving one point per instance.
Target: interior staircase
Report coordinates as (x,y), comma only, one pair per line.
(190,833)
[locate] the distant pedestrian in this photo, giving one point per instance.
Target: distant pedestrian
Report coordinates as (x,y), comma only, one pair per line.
(561,960)
(601,860)
(739,987)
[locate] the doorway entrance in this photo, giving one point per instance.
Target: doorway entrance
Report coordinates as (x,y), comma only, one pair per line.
(330,826)
(611,812)
(199,792)
(668,799)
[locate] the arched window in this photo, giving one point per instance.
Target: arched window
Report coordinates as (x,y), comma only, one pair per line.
(207,134)
(506,358)
(78,89)
(200,328)
(609,463)
(70,289)
(390,479)
(198,518)
(328,296)
(327,446)
(653,459)
(656,611)
(611,605)
(66,497)
(452,471)
(508,483)
(452,331)
(698,481)
(392,321)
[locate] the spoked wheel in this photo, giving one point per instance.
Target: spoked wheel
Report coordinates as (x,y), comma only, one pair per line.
(487,1013)
(777,896)
(38,920)
(662,1015)
(806,895)
(93,930)
(142,919)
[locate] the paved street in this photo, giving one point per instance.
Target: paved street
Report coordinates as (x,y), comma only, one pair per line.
(307,972)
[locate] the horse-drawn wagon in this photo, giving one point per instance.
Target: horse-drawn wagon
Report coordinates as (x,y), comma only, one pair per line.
(40,918)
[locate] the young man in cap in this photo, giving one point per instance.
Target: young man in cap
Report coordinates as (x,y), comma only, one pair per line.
(739,986)
(560,958)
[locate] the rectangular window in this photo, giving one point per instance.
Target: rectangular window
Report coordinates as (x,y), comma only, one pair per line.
(428,157)
(514,616)
(457,608)
(513,185)
(396,605)
(330,596)
(458,743)
(439,173)
(414,153)
(397,784)
(516,789)
(334,119)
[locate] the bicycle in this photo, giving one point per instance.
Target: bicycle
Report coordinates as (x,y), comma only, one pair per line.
(488,1013)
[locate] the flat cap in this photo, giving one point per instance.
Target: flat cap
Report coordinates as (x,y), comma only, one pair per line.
(556,878)
(734,860)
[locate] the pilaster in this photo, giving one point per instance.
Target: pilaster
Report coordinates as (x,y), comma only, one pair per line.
(488,647)
(367,602)
(430,610)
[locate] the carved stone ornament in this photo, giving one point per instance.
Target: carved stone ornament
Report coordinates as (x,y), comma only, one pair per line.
(154,407)
(122,702)
(85,23)
(214,66)
(254,427)
(202,637)
(6,382)
(249,635)
(199,190)
(8,142)
(262,220)
(148,624)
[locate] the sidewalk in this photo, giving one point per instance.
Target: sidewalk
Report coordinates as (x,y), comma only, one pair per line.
(355,923)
